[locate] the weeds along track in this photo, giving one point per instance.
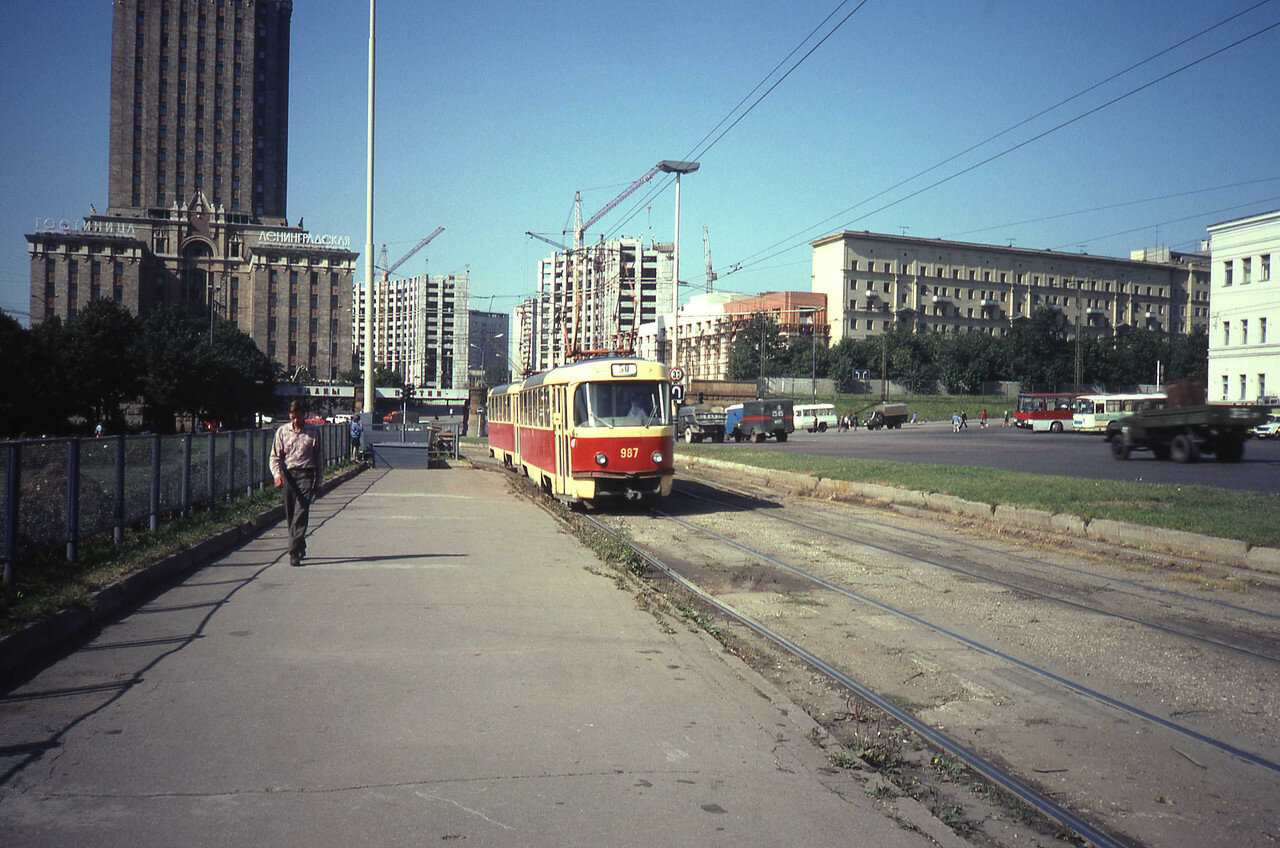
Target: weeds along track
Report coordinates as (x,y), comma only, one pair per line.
(1104,685)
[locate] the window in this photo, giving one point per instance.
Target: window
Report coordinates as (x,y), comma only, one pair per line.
(1244,385)
(1262,331)
(1225,386)
(1264,267)
(1244,331)
(1262,385)
(1226,335)
(1246,271)
(1226,274)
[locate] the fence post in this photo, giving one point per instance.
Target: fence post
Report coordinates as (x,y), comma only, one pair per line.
(119,505)
(213,468)
(73,498)
(155,483)
(231,465)
(186,475)
(250,463)
(12,480)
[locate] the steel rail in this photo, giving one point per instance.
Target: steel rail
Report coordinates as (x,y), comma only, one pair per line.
(1226,646)
(1030,560)
(971,758)
(1138,712)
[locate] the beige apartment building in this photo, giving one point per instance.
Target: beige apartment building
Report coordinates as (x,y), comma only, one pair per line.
(421,328)
(872,280)
(1244,334)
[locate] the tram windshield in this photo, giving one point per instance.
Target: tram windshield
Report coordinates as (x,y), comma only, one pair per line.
(638,403)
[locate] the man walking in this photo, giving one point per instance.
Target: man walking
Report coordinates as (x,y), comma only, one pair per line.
(357,431)
(296,463)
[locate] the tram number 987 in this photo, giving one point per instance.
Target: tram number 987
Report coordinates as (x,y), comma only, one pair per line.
(629,453)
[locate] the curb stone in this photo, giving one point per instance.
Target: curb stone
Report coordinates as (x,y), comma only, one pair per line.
(1233,552)
(21,647)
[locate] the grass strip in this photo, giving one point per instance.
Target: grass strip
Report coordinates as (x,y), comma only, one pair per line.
(1227,513)
(47,584)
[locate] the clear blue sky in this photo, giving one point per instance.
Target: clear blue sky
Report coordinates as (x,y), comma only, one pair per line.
(491,115)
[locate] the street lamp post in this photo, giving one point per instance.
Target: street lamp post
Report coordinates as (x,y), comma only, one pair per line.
(677,168)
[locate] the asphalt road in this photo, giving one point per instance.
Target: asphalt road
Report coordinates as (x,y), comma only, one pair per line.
(1012,449)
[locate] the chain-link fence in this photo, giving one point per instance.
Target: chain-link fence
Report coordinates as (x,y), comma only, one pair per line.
(55,493)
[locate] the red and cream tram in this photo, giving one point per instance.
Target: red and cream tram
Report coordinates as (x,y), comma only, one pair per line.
(594,429)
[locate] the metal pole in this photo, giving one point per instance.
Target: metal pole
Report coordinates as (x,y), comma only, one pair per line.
(813,355)
(73,498)
(155,483)
(12,483)
(675,286)
(119,504)
(368,243)
(186,475)
(213,469)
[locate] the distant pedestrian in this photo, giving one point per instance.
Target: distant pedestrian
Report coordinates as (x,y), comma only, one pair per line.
(1006,418)
(982,422)
(955,422)
(98,430)
(357,431)
(297,463)
(914,418)
(964,420)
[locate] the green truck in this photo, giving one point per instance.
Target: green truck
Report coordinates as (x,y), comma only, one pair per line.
(1185,433)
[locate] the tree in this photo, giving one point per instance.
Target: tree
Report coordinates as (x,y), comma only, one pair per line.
(383,377)
(237,377)
(28,374)
(746,360)
(100,361)
(170,341)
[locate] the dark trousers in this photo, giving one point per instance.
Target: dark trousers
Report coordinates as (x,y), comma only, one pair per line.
(299,492)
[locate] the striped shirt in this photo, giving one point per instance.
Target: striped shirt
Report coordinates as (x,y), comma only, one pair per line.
(295,449)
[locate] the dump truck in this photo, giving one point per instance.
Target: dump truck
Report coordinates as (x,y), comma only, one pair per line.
(760,419)
(700,421)
(888,415)
(1185,433)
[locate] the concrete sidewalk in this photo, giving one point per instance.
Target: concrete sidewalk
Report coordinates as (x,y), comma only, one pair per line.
(445,667)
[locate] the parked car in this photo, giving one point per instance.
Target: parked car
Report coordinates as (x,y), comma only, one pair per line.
(1269,429)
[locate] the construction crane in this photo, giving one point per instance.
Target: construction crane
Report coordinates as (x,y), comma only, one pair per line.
(706,247)
(547,240)
(386,272)
(667,166)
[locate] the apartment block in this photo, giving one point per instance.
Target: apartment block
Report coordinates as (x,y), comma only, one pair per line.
(874,280)
(421,328)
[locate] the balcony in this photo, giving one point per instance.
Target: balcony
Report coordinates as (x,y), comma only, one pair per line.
(942,298)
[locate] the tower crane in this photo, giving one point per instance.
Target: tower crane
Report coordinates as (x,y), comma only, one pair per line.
(668,166)
(386,272)
(386,275)
(706,247)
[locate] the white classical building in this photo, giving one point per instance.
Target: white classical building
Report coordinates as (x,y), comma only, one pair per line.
(1244,309)
(705,336)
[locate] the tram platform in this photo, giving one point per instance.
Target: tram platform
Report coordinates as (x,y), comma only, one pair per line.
(447,666)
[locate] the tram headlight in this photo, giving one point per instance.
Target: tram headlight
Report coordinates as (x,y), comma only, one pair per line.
(602,460)
(657,457)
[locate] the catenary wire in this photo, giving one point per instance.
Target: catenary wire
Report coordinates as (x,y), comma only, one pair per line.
(751,260)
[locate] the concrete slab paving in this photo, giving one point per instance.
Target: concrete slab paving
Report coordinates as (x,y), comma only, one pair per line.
(444,667)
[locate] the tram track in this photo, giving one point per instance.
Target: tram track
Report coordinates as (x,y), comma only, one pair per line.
(1272,658)
(1119,760)
(1001,777)
(1195,724)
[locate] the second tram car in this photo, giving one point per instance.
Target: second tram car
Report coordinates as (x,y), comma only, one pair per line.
(599,428)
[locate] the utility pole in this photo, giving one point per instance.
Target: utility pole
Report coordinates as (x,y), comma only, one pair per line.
(368,244)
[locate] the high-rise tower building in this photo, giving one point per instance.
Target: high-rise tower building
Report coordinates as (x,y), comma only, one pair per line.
(197,180)
(200,101)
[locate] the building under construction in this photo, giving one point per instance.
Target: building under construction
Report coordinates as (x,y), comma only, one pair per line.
(593,300)
(420,328)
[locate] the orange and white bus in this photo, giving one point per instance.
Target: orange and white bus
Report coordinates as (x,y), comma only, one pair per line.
(599,428)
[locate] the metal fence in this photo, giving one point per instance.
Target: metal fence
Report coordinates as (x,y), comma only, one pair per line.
(59,492)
